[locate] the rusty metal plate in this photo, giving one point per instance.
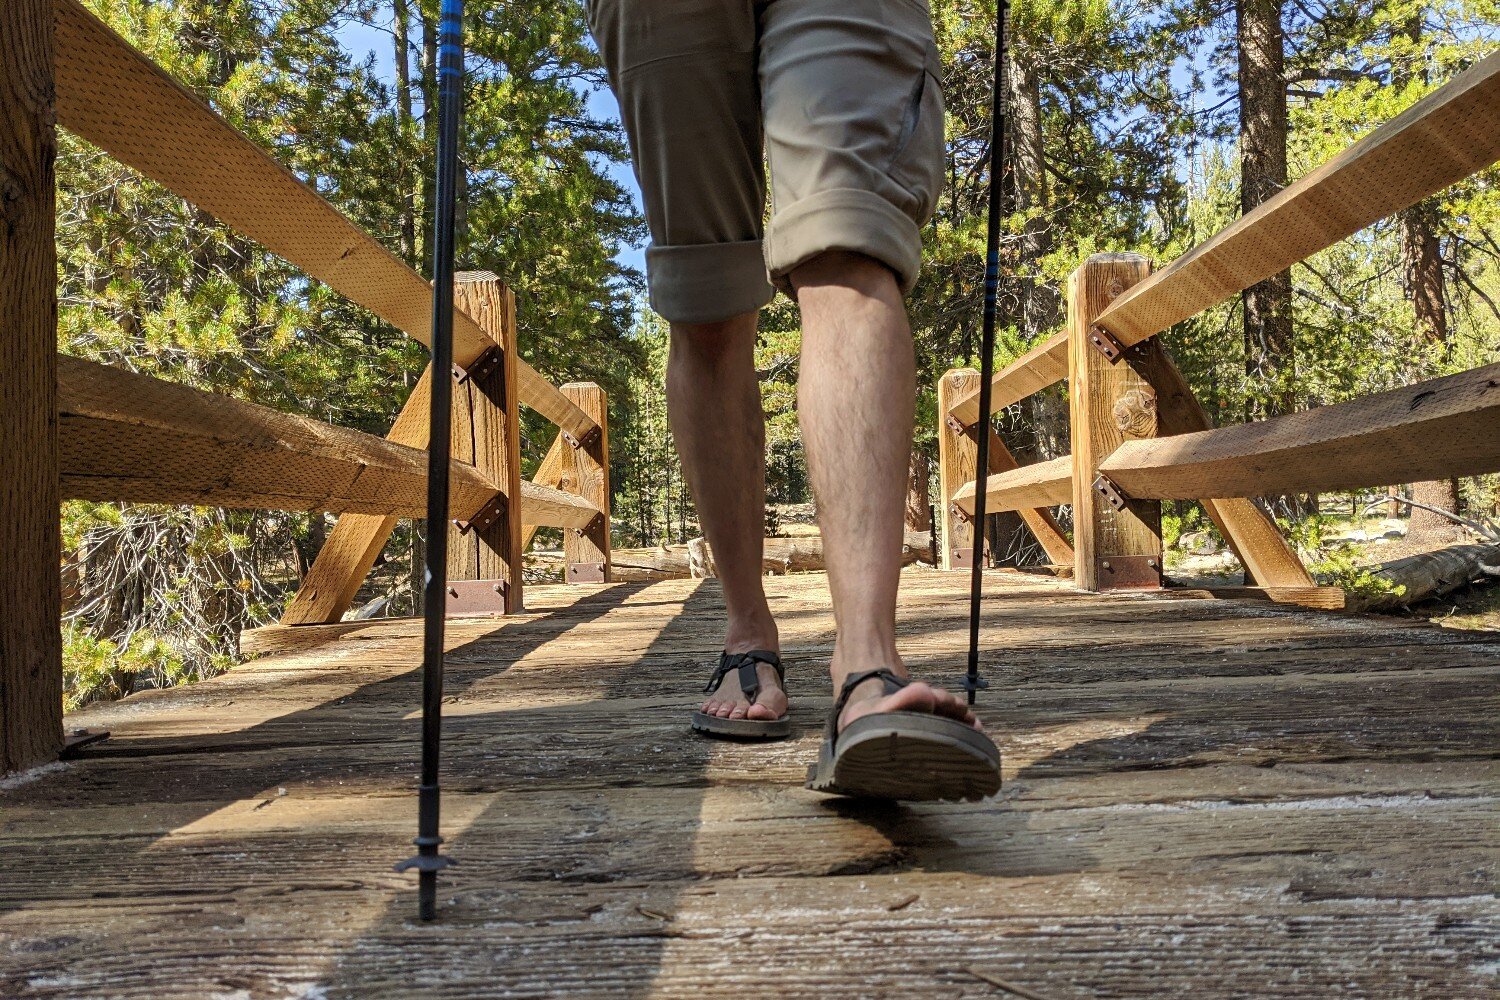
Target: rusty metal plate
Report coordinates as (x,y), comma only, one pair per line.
(1110,493)
(493,510)
(586,572)
(1128,572)
(476,597)
(1105,343)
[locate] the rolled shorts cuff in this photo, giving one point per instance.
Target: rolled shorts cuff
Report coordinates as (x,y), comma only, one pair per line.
(708,282)
(849,219)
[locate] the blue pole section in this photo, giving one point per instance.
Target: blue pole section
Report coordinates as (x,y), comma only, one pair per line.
(987,351)
(428,862)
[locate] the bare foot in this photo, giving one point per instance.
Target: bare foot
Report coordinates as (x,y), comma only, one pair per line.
(729,702)
(918,696)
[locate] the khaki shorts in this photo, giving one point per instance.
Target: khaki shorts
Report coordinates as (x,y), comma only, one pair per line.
(848,97)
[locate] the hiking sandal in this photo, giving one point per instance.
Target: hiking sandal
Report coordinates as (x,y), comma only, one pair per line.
(745,729)
(911,756)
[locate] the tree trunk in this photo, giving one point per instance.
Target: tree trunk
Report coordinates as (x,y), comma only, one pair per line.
(1422,281)
(1041,305)
(404,105)
(1431,574)
(1269,347)
(919,492)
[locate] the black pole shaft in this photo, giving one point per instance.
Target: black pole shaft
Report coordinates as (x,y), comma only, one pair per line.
(435,591)
(987,349)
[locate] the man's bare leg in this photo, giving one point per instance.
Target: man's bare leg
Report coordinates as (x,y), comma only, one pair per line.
(856,400)
(713,401)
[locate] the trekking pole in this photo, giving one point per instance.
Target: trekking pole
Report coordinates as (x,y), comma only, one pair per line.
(973,683)
(428,862)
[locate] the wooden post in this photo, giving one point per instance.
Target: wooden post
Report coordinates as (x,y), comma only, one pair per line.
(485,563)
(958,453)
(586,474)
(1109,402)
(30,545)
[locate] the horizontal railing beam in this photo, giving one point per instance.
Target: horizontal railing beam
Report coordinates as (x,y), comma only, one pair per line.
(1439,429)
(119,100)
(1443,138)
(1045,484)
(544,506)
(129,437)
(1044,365)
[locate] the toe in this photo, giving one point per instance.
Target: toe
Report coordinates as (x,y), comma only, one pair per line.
(725,707)
(739,711)
(759,711)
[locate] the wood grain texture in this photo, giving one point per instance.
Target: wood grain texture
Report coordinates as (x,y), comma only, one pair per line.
(1203,798)
(1252,535)
(355,542)
(115,97)
(549,473)
(1107,405)
(586,476)
(553,508)
(958,453)
(30,545)
(1044,484)
(486,421)
(1439,429)
(1044,365)
(1440,140)
(131,437)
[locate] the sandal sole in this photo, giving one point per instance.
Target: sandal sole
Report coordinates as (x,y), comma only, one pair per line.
(910,757)
(742,729)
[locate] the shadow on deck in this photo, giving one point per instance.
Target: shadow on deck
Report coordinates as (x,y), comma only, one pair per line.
(1202,798)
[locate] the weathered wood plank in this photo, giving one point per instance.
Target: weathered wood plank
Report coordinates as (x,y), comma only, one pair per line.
(1044,365)
(1438,429)
(1045,484)
(555,508)
(1440,140)
(131,437)
(30,545)
(1204,797)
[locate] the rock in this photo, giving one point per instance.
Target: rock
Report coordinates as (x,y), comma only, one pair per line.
(1199,543)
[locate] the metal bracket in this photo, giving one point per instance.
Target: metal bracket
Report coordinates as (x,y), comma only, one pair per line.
(493,510)
(959,514)
(955,425)
(1128,572)
(77,739)
(961,558)
(1105,343)
(477,597)
(492,358)
(588,438)
(1111,493)
(586,572)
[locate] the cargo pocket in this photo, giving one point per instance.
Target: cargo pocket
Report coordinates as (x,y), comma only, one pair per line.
(920,158)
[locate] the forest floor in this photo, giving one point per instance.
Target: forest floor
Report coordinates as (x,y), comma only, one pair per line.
(1203,798)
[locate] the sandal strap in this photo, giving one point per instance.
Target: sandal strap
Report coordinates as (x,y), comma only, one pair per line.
(749,677)
(892,683)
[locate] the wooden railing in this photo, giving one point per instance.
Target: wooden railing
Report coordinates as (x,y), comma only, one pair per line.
(1140,436)
(84,430)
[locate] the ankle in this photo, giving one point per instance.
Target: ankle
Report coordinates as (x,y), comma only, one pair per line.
(856,657)
(747,632)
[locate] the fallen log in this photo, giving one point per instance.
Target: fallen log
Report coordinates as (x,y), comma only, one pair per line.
(1430,574)
(796,554)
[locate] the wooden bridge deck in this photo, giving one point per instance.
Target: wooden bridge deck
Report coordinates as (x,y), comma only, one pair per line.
(1203,798)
